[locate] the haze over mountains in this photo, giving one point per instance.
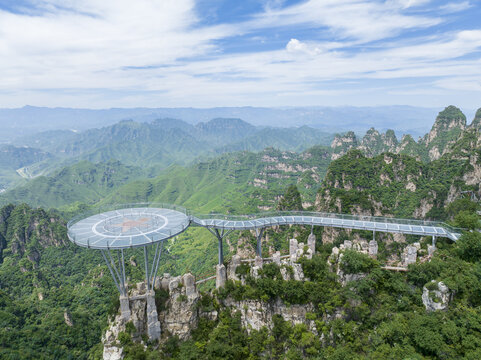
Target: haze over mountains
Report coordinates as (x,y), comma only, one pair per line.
(129,160)
(151,145)
(404,119)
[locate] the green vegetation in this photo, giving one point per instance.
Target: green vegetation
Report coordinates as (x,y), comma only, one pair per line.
(55,298)
(354,262)
(398,185)
(291,199)
(83,181)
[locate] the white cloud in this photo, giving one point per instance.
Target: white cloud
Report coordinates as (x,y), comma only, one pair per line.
(354,19)
(405,4)
(456,6)
(295,46)
(106,54)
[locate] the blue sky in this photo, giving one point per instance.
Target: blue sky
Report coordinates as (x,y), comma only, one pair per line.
(206,53)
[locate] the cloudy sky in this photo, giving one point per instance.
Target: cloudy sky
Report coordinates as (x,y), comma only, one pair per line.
(204,53)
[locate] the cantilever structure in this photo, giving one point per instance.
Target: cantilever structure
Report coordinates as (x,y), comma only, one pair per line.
(143,225)
(128,227)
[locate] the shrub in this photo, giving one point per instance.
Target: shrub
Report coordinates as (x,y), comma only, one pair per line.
(354,262)
(469,246)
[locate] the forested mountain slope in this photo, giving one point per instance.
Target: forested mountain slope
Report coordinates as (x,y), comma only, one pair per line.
(400,185)
(84,181)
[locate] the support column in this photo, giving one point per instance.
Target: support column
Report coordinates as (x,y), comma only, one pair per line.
(155,264)
(146,261)
(432,248)
(259,233)
(220,236)
(374,235)
(120,283)
(221,246)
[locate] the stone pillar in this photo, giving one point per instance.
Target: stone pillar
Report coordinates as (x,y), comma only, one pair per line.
(293,249)
(158,283)
(174,284)
(258,262)
(431,250)
(311,242)
(221,276)
(373,247)
(189,283)
(276,258)
(364,247)
(235,262)
(410,255)
(153,323)
(165,281)
(125,308)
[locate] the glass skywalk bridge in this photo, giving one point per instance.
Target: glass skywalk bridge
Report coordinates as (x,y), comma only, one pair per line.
(116,228)
(371,223)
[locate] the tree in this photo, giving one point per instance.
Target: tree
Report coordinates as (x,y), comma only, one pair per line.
(467,220)
(291,199)
(469,246)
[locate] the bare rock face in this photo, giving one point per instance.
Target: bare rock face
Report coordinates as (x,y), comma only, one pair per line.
(113,353)
(153,323)
(257,314)
(449,125)
(342,144)
(182,315)
(276,258)
(232,267)
(164,283)
(112,347)
(293,249)
(436,296)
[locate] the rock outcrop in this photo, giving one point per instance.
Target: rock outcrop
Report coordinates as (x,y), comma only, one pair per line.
(436,296)
(342,144)
(448,127)
(257,314)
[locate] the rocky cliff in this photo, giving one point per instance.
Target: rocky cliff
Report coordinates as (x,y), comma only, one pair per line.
(449,126)
(399,185)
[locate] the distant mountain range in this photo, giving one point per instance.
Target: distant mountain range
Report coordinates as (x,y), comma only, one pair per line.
(404,119)
(152,146)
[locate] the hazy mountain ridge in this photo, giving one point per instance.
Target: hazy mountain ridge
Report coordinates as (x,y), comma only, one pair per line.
(29,119)
(162,142)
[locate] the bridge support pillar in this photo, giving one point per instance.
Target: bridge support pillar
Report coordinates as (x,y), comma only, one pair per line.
(434,241)
(259,233)
(125,308)
(374,235)
(220,237)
